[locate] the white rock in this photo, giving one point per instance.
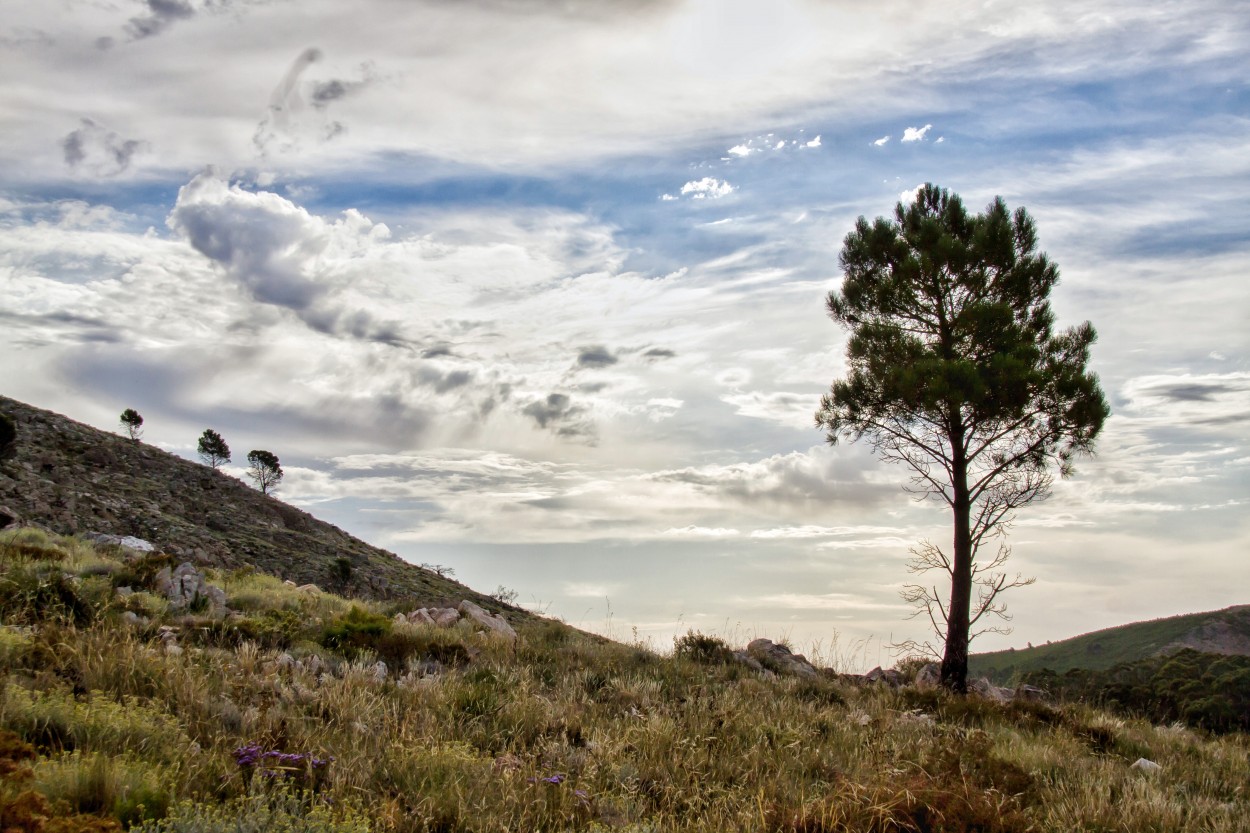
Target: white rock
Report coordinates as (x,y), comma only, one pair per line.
(1145,765)
(493,621)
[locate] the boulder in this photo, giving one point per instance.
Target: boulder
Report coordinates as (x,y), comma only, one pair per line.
(929,676)
(778,658)
(890,677)
(1028,692)
(421,617)
(750,662)
(309,588)
(445,617)
(989,691)
(1144,765)
(8,518)
(493,621)
(128,542)
(185,584)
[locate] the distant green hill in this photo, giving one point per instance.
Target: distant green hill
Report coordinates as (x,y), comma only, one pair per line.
(1224,631)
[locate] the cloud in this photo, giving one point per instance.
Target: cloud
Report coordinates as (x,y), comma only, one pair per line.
(881,141)
(909,196)
(596,356)
(707,188)
(800,480)
(279,252)
(658,353)
(285,125)
(814,143)
(741,150)
(916,134)
(1210,400)
(96,150)
(560,415)
(700,532)
(791,409)
(812,531)
(161,15)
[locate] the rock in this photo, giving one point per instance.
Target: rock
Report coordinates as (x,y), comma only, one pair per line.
(100,456)
(8,518)
(493,621)
(892,678)
(185,585)
(289,583)
(1145,765)
(309,588)
(929,676)
(445,617)
(380,671)
(421,617)
(749,661)
(989,691)
(135,620)
(128,542)
(779,658)
(1028,692)
(123,592)
(400,619)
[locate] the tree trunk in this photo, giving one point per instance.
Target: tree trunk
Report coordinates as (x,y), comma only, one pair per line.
(955,659)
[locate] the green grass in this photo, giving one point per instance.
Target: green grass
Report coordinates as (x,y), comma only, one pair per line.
(559,731)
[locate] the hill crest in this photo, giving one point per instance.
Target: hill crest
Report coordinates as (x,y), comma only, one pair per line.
(71,478)
(1225,631)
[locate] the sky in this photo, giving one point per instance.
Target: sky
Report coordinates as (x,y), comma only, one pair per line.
(534,290)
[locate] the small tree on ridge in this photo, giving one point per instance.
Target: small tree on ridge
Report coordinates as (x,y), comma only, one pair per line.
(213,449)
(264,470)
(133,423)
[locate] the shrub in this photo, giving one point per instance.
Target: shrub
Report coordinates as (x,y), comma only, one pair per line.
(275,811)
(355,631)
(703,649)
(102,784)
(8,437)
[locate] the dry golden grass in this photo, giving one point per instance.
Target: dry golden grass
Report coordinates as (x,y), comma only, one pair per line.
(559,731)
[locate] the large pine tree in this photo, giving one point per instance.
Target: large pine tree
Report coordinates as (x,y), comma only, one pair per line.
(956,372)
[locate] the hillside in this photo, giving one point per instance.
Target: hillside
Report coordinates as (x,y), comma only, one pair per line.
(1224,631)
(70,478)
(126,703)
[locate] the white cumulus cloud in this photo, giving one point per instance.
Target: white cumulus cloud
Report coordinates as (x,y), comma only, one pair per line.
(916,134)
(707,188)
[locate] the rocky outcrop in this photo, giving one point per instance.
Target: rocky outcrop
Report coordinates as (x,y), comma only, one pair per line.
(779,659)
(890,677)
(186,589)
(492,621)
(445,617)
(127,542)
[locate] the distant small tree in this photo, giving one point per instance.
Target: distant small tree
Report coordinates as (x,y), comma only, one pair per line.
(213,449)
(133,423)
(8,437)
(264,470)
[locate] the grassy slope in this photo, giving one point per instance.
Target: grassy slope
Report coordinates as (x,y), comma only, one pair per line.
(558,731)
(1105,649)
